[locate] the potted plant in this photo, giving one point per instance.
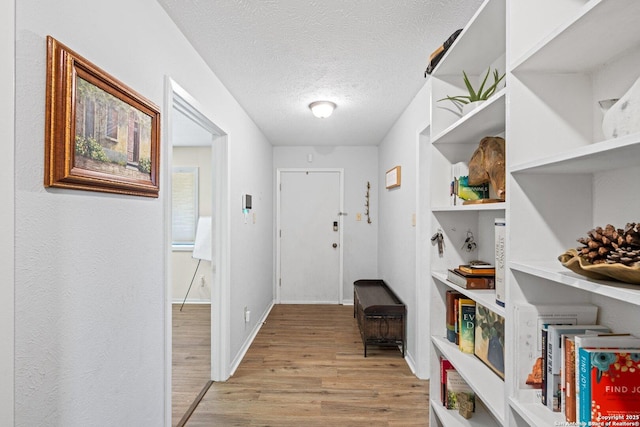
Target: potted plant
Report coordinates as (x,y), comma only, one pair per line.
(475,97)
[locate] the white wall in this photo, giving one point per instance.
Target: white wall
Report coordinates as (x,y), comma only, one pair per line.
(360,238)
(397,232)
(6,210)
(89,267)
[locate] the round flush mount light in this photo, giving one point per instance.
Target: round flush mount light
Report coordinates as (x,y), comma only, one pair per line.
(322,109)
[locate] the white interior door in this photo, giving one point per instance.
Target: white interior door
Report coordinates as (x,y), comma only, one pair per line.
(310,230)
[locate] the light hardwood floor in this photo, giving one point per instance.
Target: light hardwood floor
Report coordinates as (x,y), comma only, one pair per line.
(306,368)
(191,357)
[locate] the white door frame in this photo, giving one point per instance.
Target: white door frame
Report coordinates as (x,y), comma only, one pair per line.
(341,214)
(177,97)
(7,212)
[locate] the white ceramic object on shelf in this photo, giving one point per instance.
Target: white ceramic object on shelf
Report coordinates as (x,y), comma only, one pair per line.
(623,118)
(467,108)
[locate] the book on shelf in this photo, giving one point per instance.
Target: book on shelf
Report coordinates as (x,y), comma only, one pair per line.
(500,260)
(469,281)
(457,170)
(466,192)
(568,373)
(477,269)
(456,384)
(489,339)
(554,359)
(530,318)
(451,319)
(543,356)
(568,379)
(592,340)
(551,390)
(445,366)
(466,325)
(609,386)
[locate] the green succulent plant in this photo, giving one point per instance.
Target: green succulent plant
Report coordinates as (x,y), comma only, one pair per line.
(481,94)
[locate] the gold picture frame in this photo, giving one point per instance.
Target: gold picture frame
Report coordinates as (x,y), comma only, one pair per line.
(393,177)
(100,134)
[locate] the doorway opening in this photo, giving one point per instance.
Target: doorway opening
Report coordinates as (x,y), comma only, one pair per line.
(196,229)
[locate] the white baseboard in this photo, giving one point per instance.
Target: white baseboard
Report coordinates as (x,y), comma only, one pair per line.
(252,336)
(410,362)
(192,301)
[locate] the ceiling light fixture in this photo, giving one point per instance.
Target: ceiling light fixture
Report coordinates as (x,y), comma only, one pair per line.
(322,109)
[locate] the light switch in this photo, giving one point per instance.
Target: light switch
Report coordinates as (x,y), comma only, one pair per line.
(358,216)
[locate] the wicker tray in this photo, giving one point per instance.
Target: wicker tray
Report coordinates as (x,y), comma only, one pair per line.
(620,272)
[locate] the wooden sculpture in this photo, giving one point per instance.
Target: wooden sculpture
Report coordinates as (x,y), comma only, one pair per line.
(488,165)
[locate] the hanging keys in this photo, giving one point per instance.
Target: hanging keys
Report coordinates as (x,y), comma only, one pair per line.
(439,239)
(469,244)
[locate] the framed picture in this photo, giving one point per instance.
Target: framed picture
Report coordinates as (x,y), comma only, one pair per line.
(100,135)
(393,177)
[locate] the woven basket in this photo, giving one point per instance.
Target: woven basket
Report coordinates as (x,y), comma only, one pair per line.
(620,272)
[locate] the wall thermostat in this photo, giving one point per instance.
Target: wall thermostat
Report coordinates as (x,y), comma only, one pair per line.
(246,202)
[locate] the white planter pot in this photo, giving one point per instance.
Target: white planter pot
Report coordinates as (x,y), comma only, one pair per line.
(467,108)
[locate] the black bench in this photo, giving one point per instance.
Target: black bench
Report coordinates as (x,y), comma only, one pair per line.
(381,314)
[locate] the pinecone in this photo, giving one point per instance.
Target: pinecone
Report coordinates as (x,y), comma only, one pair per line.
(612,245)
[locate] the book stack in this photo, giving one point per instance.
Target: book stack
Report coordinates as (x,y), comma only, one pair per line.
(607,379)
(555,354)
(460,318)
(589,374)
(452,386)
(473,276)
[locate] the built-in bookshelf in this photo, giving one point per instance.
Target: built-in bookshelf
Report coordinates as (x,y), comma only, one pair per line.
(563,178)
(454,138)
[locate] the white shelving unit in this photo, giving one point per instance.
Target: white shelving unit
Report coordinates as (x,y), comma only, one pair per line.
(454,138)
(563,177)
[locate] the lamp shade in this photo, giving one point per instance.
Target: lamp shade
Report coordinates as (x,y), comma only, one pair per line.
(202,245)
(322,109)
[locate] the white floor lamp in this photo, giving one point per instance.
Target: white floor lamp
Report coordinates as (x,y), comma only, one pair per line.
(201,247)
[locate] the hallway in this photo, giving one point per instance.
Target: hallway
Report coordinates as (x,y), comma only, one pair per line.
(306,367)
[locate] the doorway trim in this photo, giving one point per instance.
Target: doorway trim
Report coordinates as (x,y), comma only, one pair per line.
(178,98)
(341,215)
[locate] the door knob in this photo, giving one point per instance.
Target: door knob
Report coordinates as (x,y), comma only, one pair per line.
(335,245)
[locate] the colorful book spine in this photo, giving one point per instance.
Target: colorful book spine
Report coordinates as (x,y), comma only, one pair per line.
(609,386)
(451,301)
(569,374)
(467,325)
(543,339)
(445,366)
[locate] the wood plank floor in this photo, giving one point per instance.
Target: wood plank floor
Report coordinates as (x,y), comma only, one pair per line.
(191,358)
(306,368)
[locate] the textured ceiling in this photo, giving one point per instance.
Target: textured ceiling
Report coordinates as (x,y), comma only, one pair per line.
(277,56)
